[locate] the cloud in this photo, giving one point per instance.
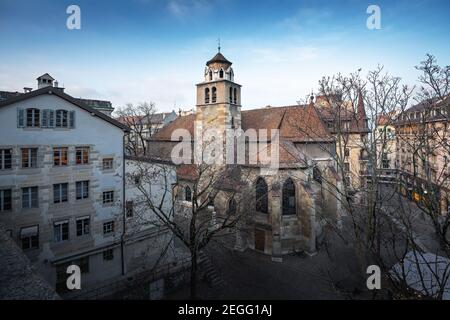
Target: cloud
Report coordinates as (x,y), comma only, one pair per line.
(306,18)
(285,53)
(187,8)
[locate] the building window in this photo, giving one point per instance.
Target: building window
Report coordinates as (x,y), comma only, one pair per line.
(206,95)
(5,200)
(231,95)
(108,254)
(82,189)
(108,163)
(5,158)
(187,194)
(29,237)
(60,192)
(317,175)
(82,155)
(30,197)
(289,197)
(61,231)
(232,207)
(210,75)
(235,96)
(83,224)
(29,157)
(108,197)
(346,152)
(33,117)
(262,197)
(60,156)
(108,227)
(347,167)
(129,208)
(221,73)
(214,95)
(62,119)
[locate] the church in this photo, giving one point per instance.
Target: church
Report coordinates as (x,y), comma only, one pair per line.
(286,208)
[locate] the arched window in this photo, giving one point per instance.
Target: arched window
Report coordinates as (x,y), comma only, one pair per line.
(207,95)
(61,119)
(214,94)
(232,123)
(317,175)
(210,75)
(235,96)
(221,73)
(262,199)
(289,197)
(187,194)
(232,207)
(231,95)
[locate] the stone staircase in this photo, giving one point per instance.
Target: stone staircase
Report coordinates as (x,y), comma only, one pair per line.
(208,270)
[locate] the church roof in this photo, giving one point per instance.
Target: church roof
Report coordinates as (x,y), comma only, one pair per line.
(218,58)
(298,123)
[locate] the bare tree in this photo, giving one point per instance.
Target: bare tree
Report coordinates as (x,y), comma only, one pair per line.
(380,221)
(183,200)
(141,120)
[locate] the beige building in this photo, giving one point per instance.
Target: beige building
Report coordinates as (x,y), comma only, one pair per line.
(386,148)
(422,134)
(348,124)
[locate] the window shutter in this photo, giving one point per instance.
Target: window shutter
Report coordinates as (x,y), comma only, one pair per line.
(44,119)
(20,118)
(51,118)
(72,119)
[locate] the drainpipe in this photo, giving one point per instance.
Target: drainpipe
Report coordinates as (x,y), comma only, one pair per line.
(123,206)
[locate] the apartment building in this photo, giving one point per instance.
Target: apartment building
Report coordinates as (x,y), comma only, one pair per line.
(422,134)
(386,148)
(61,183)
(348,123)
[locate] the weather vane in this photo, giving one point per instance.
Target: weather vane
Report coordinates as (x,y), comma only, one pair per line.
(218,44)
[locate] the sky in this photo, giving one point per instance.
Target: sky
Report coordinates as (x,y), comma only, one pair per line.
(155,50)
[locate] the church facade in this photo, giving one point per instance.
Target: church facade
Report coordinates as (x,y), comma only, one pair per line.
(285,208)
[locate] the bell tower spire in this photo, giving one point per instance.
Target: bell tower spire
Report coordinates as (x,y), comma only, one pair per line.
(218,96)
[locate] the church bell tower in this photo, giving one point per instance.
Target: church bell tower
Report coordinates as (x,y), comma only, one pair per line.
(218,96)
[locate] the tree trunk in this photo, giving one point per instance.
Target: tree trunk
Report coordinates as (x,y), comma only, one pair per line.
(193,282)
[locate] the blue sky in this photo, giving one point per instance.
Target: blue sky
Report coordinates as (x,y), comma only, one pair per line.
(155,50)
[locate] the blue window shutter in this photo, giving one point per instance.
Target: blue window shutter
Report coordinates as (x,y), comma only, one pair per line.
(44,118)
(51,118)
(72,119)
(20,118)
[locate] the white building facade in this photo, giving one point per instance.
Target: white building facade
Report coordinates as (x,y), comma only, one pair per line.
(62,186)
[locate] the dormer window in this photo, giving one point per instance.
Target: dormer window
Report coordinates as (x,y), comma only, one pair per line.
(33,117)
(62,119)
